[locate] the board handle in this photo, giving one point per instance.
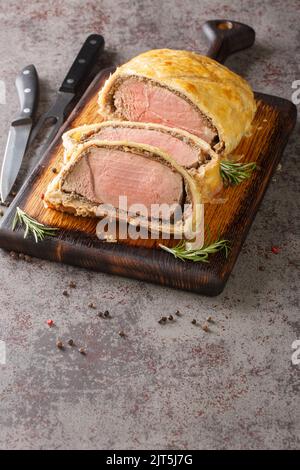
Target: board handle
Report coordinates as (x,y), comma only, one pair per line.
(227,37)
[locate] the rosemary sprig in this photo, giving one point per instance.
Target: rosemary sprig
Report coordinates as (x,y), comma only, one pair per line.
(38,230)
(234,172)
(202,254)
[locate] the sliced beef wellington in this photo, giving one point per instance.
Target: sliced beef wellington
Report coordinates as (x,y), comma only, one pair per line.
(186,149)
(99,172)
(181,89)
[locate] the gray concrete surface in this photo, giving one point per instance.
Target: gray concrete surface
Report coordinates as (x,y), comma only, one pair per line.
(162,386)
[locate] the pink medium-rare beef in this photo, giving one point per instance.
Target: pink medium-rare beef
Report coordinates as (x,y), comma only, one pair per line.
(182,152)
(102,171)
(104,174)
(143,101)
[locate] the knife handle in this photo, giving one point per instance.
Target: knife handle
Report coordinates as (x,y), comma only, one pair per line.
(83,63)
(226,37)
(27,84)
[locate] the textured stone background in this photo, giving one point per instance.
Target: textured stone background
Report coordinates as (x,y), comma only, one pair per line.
(161,387)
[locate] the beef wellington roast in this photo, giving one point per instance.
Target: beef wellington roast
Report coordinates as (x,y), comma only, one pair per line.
(170,116)
(181,89)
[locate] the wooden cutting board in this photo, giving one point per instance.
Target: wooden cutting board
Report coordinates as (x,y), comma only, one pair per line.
(77,243)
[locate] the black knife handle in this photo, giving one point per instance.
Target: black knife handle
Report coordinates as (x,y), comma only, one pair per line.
(83,63)
(27,84)
(227,37)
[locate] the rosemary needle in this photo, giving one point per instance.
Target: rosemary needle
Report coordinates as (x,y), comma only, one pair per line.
(201,254)
(38,230)
(234,172)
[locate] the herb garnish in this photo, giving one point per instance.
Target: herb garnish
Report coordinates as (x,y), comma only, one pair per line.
(38,230)
(201,254)
(234,172)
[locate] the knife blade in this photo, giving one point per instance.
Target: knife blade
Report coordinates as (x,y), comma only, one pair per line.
(19,132)
(73,81)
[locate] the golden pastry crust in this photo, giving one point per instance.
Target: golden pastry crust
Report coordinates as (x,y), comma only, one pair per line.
(192,221)
(220,94)
(207,175)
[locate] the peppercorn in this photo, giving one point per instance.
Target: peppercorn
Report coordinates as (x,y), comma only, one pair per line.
(275,250)
(70,342)
(209,319)
(177,313)
(13,255)
(100,314)
(91,305)
(82,351)
(194,321)
(65,293)
(50,322)
(171,318)
(122,334)
(205,328)
(106,313)
(72,284)
(59,344)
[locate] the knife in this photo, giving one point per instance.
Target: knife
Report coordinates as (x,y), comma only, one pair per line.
(19,132)
(73,81)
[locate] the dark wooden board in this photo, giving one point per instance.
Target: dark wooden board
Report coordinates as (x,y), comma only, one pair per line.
(78,245)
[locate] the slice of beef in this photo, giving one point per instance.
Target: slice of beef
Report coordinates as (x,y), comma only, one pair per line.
(145,101)
(104,174)
(181,150)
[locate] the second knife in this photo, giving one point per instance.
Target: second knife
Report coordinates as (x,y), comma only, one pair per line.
(73,81)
